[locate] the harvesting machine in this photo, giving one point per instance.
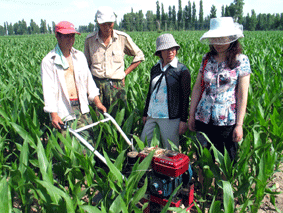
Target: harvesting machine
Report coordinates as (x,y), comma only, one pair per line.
(168,171)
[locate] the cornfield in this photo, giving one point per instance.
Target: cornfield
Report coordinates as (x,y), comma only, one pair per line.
(36,175)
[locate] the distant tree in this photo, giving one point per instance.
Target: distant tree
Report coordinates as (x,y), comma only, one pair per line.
(49,29)
(190,14)
(227,11)
(270,21)
(163,18)
(43,27)
(127,22)
(206,22)
(10,29)
(140,21)
(194,16)
(34,28)
(187,18)
(150,17)
(83,29)
(174,18)
(213,11)
(16,28)
(276,25)
(239,5)
(180,16)
(262,22)
(253,21)
(90,27)
(281,21)
(53,26)
(170,18)
(222,11)
(200,14)
(2,31)
(6,27)
(22,28)
(157,11)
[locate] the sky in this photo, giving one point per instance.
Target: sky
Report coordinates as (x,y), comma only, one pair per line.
(82,12)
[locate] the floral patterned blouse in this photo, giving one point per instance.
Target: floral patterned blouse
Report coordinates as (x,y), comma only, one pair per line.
(218,102)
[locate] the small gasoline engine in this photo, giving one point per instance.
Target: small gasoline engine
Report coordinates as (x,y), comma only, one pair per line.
(169,169)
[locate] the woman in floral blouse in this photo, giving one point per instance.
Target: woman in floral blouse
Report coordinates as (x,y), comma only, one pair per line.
(219,96)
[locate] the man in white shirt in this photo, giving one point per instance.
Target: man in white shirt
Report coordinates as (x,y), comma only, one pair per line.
(67,83)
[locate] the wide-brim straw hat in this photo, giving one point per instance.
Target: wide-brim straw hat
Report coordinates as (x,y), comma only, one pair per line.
(222,31)
(164,42)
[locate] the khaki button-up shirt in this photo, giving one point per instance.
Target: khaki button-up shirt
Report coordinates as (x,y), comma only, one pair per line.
(108,62)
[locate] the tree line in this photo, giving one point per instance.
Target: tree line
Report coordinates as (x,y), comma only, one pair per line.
(183,18)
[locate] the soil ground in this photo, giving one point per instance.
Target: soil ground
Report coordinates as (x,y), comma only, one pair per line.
(267,206)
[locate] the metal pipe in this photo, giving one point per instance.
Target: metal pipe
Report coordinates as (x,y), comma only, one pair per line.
(120,130)
(78,136)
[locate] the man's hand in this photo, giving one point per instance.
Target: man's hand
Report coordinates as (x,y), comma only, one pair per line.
(56,120)
(99,105)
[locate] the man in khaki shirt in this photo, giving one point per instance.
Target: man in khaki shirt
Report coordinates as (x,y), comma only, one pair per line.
(105,51)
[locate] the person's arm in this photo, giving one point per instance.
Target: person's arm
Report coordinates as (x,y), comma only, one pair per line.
(87,53)
(99,105)
(242,98)
(50,94)
(133,66)
(194,102)
(185,98)
(131,49)
(56,120)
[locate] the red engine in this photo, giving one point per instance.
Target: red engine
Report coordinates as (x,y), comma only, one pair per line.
(169,169)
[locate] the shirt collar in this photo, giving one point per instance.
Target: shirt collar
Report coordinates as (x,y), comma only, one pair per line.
(114,37)
(173,63)
(60,58)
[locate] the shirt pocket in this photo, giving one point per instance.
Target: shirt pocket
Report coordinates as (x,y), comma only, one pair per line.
(98,56)
(117,56)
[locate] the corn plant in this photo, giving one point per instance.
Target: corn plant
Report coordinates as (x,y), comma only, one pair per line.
(37,174)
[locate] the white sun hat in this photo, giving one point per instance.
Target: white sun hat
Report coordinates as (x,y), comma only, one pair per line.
(105,14)
(222,31)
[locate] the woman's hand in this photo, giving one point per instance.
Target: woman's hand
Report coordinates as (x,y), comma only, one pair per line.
(144,119)
(191,123)
(238,133)
(183,127)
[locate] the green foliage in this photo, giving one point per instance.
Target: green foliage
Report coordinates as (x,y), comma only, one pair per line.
(36,173)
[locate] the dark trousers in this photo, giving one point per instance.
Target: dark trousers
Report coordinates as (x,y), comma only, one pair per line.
(220,136)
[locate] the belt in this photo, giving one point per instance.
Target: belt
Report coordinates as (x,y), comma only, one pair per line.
(74,102)
(105,79)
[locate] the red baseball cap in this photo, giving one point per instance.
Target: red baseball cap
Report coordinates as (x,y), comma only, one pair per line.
(65,27)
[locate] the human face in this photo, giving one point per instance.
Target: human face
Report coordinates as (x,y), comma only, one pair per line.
(106,28)
(65,41)
(220,49)
(168,55)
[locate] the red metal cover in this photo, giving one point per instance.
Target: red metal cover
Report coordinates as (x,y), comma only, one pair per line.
(167,162)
